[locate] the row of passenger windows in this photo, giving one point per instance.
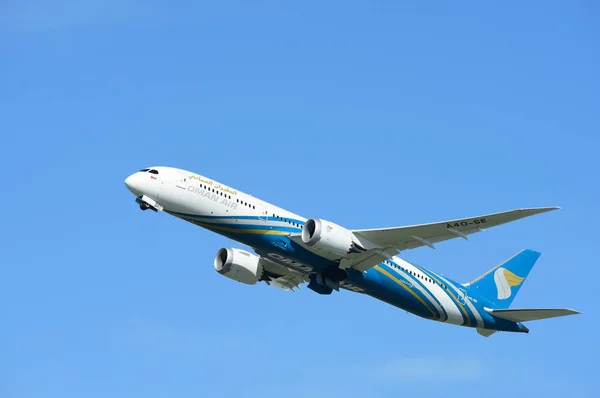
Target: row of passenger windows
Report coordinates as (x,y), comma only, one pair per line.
(425,278)
(295,224)
(246,204)
(227,196)
(215,191)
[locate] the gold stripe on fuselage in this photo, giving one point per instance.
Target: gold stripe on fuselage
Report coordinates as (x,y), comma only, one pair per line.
(214,227)
(392,277)
(454,298)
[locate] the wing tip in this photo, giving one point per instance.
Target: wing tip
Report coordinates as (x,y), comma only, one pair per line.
(540,209)
(552,208)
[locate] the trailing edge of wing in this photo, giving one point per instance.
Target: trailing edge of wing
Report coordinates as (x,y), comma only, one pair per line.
(281,276)
(389,241)
(410,237)
(530,314)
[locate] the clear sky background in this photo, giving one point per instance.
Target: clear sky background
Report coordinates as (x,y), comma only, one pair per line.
(369,114)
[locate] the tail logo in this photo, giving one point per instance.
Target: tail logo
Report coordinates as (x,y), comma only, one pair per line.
(504,281)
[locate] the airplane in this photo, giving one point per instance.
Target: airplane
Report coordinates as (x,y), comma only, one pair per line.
(292,250)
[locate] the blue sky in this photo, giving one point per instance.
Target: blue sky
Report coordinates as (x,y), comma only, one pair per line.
(368,114)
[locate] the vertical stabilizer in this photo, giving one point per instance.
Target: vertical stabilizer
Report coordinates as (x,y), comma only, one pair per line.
(501,284)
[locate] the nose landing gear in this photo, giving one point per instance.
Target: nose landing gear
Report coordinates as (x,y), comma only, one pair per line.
(148,203)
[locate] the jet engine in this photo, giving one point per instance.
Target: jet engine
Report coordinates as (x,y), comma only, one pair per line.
(329,237)
(239,265)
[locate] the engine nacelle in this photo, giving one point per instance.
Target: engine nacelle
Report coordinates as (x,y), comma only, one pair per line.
(329,237)
(239,265)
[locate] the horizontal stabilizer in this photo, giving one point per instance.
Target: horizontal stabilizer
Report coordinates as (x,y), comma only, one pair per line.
(530,314)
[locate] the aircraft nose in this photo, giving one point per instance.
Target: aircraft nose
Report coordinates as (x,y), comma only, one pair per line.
(133,184)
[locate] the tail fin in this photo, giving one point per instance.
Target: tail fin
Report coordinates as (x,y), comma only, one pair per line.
(501,284)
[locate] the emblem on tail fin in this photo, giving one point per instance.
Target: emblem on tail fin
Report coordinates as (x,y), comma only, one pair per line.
(504,281)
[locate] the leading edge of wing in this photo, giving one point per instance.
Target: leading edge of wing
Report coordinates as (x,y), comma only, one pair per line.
(524,212)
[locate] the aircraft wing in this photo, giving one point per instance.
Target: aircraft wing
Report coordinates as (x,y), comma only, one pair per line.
(390,241)
(410,237)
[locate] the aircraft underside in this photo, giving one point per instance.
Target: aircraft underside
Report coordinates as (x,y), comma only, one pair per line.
(292,251)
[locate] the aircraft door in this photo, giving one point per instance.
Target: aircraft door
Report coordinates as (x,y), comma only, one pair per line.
(182,182)
(462,295)
(263,215)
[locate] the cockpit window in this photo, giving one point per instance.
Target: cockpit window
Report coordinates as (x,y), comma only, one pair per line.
(143,170)
(153,171)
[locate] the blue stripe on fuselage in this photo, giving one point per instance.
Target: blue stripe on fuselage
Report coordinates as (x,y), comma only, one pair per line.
(267,218)
(277,247)
(414,280)
(375,283)
(384,283)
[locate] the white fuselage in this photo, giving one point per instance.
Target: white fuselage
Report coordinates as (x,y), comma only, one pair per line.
(266,228)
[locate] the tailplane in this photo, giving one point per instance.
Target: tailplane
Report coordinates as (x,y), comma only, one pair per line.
(530,314)
(501,284)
